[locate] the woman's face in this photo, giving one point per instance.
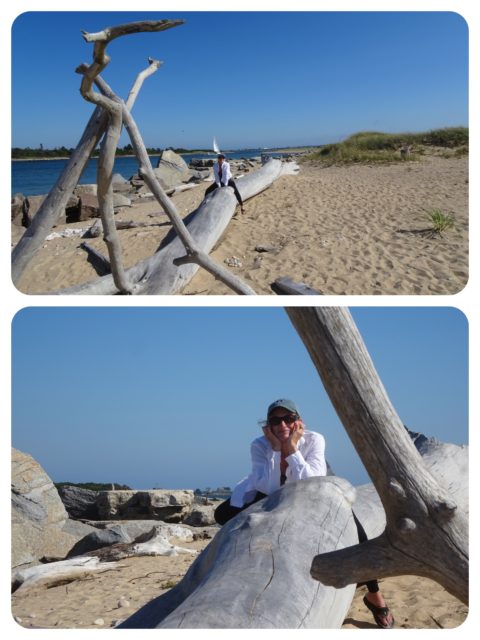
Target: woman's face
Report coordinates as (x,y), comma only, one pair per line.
(282,422)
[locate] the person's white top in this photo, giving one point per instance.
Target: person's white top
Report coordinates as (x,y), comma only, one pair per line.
(226,173)
(307,461)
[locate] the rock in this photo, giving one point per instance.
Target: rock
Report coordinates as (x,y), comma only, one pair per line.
(88,207)
(161,504)
(122,187)
(267,248)
(80,503)
(201,162)
(199,175)
(201,516)
(39,517)
(99,622)
(118,179)
(137,528)
(120,200)
(171,169)
(81,189)
(98,539)
(123,602)
(233,262)
(18,212)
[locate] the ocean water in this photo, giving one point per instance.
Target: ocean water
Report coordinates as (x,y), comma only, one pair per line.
(37,177)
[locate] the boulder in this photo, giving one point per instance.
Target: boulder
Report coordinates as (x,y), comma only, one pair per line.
(158,504)
(18,208)
(98,539)
(201,516)
(136,528)
(88,207)
(198,175)
(80,503)
(33,204)
(120,200)
(80,189)
(171,169)
(196,163)
(40,525)
(122,187)
(118,179)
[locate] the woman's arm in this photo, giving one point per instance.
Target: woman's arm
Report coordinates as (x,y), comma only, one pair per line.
(311,462)
(265,475)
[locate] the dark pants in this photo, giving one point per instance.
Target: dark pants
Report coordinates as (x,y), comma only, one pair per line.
(232,184)
(225,512)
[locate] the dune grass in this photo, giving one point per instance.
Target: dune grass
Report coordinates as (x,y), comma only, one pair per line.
(373,147)
(440,221)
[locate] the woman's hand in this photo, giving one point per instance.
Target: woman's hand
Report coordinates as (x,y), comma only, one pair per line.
(274,441)
(295,434)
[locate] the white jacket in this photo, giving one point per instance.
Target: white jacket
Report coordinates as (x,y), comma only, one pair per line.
(226,173)
(307,461)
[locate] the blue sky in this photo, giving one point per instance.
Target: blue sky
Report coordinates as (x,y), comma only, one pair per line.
(250,79)
(170,397)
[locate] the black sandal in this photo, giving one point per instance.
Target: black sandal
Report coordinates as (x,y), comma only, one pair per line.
(380,614)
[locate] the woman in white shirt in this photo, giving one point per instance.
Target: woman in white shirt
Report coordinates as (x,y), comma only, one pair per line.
(223,178)
(287,452)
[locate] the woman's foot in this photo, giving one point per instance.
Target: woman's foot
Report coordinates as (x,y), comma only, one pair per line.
(381,613)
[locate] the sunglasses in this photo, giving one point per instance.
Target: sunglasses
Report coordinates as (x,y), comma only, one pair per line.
(288,418)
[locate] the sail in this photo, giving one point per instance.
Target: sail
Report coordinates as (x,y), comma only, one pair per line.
(215,146)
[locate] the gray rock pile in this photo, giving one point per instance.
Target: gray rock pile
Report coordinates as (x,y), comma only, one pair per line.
(51,525)
(172,171)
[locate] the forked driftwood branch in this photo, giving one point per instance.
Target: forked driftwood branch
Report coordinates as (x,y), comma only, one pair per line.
(427,531)
(56,201)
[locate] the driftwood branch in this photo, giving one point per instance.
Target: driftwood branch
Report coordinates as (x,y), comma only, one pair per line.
(54,572)
(153,66)
(56,201)
(108,150)
(100,262)
(110,33)
(426,531)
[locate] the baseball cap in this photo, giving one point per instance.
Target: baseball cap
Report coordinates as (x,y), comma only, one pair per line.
(289,405)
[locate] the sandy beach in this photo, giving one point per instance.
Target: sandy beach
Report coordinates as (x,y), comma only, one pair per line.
(417,603)
(360,229)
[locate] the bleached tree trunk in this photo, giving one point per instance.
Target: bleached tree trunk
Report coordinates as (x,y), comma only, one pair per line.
(427,531)
(256,571)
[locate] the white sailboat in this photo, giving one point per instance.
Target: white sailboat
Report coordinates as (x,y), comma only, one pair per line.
(216,148)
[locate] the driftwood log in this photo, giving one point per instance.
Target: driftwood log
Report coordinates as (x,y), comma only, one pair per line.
(206,225)
(426,532)
(256,571)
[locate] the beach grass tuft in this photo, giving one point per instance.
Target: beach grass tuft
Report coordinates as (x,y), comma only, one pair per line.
(440,221)
(373,147)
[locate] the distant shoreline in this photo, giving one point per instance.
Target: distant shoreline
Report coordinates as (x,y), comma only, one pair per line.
(190,153)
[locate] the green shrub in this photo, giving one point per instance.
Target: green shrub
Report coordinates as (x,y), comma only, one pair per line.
(373,147)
